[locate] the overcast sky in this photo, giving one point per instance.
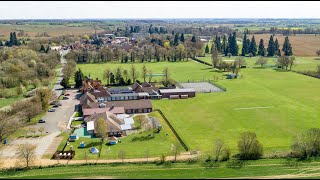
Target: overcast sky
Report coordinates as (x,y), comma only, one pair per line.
(164,9)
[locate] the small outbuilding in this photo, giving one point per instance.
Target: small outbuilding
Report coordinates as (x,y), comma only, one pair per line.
(73,137)
(113,140)
(232,76)
(94,150)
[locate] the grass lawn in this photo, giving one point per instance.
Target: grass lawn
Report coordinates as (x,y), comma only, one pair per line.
(180,71)
(291,97)
(160,144)
(270,168)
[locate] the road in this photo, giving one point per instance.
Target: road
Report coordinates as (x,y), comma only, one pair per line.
(56,122)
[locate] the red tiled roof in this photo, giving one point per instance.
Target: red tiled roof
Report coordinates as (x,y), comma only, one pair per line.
(91,111)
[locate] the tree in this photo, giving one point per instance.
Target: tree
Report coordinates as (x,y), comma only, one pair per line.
(26,153)
(8,124)
(193,39)
(261,61)
(221,151)
(41,130)
(144,72)
(277,48)
(122,155)
(182,37)
(224,43)
(78,77)
(233,44)
(166,76)
(150,75)
(207,49)
(318,52)
(118,74)
(244,45)
(249,147)
(33,130)
(284,61)
(42,48)
(271,47)
(214,56)
(125,74)
(20,89)
(176,149)
(291,62)
(112,79)
(176,39)
(241,61)
(253,46)
(287,49)
(44,95)
(307,144)
(134,73)
(64,83)
(261,48)
(147,153)
(106,75)
(101,128)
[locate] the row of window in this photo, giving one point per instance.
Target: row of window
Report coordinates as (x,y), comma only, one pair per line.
(129,111)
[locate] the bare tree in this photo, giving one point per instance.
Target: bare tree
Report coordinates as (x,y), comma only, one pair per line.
(214,56)
(134,73)
(176,149)
(307,144)
(122,155)
(41,130)
(221,151)
(150,75)
(147,153)
(261,61)
(144,73)
(106,75)
(26,153)
(125,74)
(33,130)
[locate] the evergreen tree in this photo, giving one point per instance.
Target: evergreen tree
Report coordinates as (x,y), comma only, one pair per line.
(287,49)
(11,39)
(224,43)
(14,39)
(207,49)
(176,39)
(271,46)
(276,47)
(42,48)
(1,44)
(261,48)
(217,43)
(248,46)
(182,37)
(233,44)
(244,45)
(193,39)
(78,76)
(253,46)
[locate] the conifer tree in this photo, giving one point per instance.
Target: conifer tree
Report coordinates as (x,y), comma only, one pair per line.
(261,48)
(176,39)
(207,49)
(287,49)
(224,44)
(182,37)
(253,46)
(244,45)
(270,48)
(193,39)
(276,47)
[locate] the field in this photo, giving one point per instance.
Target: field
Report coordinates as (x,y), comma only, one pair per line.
(302,44)
(271,169)
(160,144)
(180,71)
(287,96)
(302,63)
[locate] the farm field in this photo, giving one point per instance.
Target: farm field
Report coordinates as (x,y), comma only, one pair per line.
(288,110)
(253,169)
(160,144)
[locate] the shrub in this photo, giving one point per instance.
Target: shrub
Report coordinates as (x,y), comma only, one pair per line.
(307,144)
(249,147)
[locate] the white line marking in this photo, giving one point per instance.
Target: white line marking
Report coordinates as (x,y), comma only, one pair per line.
(266,107)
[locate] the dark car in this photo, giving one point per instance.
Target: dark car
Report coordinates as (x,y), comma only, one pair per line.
(65,98)
(55,106)
(67,94)
(51,110)
(41,121)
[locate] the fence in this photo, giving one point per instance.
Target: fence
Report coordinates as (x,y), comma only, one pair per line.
(173,130)
(200,61)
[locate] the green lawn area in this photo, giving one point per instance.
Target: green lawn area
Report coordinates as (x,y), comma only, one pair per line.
(292,97)
(270,168)
(160,144)
(180,71)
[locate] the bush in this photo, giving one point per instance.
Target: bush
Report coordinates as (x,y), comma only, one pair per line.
(235,164)
(307,144)
(249,147)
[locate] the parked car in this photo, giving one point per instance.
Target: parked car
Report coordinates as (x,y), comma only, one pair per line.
(51,110)
(55,106)
(41,121)
(65,98)
(59,103)
(67,94)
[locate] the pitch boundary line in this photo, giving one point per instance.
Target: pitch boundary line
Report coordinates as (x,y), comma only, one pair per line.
(261,107)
